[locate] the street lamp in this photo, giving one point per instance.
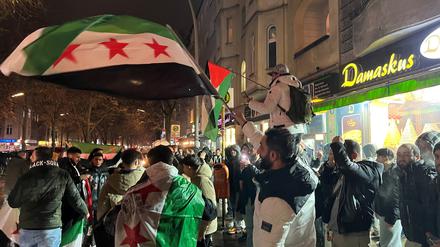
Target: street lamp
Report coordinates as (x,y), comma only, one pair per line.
(17,95)
(24,121)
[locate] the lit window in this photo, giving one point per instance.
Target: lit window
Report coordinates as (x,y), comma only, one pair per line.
(9,129)
(243,85)
(272,46)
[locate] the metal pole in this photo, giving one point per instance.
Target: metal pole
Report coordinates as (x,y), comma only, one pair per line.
(196,56)
(247,78)
(223,155)
(24,124)
(223,130)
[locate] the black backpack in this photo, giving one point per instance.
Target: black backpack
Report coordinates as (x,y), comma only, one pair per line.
(302,110)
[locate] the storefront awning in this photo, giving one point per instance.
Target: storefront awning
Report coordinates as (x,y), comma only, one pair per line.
(390,89)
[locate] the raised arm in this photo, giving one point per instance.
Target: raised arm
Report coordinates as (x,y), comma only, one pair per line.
(346,166)
(270,103)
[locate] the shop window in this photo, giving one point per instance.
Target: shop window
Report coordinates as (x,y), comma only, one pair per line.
(385,122)
(229,31)
(243,83)
(271,46)
(230,136)
(9,129)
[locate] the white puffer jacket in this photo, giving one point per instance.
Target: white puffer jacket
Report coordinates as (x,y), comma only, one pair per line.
(275,222)
(279,94)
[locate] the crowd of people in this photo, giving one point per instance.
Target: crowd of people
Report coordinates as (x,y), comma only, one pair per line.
(271,190)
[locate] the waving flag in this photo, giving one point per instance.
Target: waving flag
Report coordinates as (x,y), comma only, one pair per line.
(9,226)
(164,211)
(9,222)
(119,55)
(221,79)
(73,236)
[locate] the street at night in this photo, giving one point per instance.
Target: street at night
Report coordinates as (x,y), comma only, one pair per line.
(210,123)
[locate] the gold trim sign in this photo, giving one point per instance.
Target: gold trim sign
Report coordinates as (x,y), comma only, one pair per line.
(354,74)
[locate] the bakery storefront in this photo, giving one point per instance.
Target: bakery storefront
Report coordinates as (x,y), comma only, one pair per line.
(385,98)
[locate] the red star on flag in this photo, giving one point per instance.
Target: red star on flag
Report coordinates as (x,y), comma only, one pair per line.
(133,236)
(115,48)
(67,54)
(158,48)
(145,191)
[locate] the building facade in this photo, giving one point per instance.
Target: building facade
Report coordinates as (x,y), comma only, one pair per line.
(250,37)
(388,76)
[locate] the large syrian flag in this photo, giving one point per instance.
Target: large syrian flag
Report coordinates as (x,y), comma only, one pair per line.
(164,211)
(221,79)
(118,55)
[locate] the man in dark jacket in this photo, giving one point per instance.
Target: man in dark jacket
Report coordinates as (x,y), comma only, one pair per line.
(248,190)
(71,165)
(386,203)
(232,161)
(350,215)
(39,194)
(328,177)
(417,194)
(17,166)
(98,177)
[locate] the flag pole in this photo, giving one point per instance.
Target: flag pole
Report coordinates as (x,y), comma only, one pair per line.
(247,78)
(196,54)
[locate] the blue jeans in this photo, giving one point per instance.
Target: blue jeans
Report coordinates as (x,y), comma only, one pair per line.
(249,221)
(37,238)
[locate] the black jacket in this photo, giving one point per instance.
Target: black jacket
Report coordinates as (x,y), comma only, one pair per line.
(386,203)
(328,178)
(233,163)
(417,200)
(15,169)
(293,183)
(68,165)
(39,193)
(361,182)
(68,214)
(249,189)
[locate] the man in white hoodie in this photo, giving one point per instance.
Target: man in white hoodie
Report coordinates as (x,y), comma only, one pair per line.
(278,100)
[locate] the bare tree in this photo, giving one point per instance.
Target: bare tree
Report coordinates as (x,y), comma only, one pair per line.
(50,103)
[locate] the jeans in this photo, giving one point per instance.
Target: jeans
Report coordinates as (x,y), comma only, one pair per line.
(390,236)
(358,239)
(46,238)
(249,221)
